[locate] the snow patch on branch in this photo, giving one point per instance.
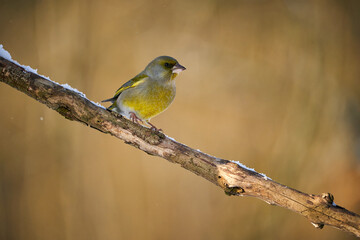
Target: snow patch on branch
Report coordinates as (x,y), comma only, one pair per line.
(5,54)
(250,169)
(67,86)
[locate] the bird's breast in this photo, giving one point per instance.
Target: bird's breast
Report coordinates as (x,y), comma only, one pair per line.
(149,101)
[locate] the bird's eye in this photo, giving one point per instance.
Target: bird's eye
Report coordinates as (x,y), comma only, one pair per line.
(167,64)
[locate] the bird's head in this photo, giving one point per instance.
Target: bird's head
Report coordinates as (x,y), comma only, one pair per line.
(164,68)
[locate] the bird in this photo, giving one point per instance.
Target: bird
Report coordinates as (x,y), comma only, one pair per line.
(149,93)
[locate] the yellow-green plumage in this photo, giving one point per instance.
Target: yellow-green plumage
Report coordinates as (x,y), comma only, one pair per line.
(150,92)
(150,104)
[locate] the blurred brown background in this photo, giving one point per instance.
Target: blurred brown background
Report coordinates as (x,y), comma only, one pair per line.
(273,84)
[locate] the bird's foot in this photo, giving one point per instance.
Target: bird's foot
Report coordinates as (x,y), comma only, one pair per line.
(154,128)
(135,118)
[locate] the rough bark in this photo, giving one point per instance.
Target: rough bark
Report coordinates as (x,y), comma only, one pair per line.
(235,179)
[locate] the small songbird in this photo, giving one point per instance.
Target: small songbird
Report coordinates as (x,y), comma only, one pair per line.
(149,93)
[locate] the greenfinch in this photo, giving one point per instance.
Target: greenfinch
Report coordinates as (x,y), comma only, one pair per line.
(149,93)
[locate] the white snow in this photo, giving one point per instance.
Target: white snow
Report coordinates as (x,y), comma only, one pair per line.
(67,86)
(5,54)
(265,177)
(316,225)
(250,169)
(237,162)
(170,138)
(97,104)
(242,165)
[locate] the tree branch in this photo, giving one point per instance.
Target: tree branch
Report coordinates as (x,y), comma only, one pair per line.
(234,178)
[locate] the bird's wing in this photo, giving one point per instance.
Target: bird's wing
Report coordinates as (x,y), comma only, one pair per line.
(137,80)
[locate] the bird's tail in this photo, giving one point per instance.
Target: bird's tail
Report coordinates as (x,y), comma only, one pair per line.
(112,106)
(113,101)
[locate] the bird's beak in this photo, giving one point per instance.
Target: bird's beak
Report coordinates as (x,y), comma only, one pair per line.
(178,68)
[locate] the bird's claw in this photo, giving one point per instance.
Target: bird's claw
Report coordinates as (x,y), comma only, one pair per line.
(153,128)
(135,118)
(138,120)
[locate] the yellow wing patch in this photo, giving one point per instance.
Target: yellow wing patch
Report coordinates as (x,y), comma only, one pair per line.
(132,83)
(120,90)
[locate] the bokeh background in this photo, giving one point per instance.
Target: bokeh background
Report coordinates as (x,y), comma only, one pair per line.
(273,84)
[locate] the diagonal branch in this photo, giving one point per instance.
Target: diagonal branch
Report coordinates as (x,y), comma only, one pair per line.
(233,177)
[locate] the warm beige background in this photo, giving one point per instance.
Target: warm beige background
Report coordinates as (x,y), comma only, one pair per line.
(274,84)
